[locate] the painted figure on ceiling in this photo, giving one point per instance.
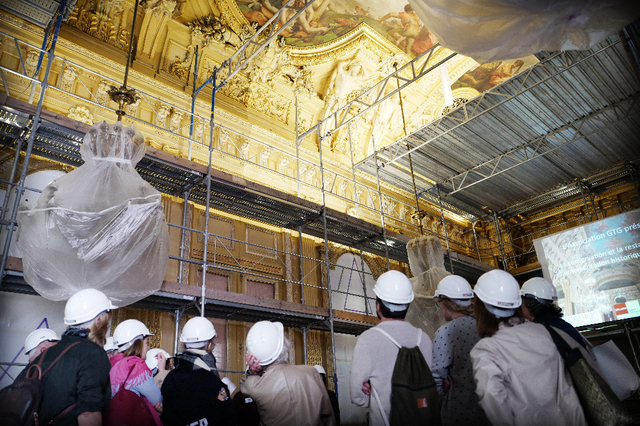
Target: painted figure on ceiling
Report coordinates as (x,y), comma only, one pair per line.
(326,20)
(408,29)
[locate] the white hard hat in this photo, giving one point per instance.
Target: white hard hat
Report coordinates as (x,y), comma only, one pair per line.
(454,287)
(539,288)
(129,331)
(38,336)
(499,289)
(110,346)
(197,329)
(265,341)
(394,287)
(152,361)
(320,369)
(85,305)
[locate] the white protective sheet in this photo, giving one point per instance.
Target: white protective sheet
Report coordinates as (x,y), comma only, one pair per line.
(426,260)
(493,30)
(100,226)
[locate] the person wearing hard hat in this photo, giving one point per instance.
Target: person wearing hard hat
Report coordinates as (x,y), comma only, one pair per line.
(129,370)
(539,297)
(39,340)
(286,394)
(332,395)
(76,389)
(374,356)
(539,304)
(110,348)
(157,360)
(452,369)
(519,373)
(193,392)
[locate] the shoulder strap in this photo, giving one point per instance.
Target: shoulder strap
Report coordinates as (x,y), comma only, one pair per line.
(389,336)
(377,398)
(563,347)
(59,356)
(394,340)
(36,368)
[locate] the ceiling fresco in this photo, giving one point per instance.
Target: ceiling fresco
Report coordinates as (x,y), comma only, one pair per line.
(326,20)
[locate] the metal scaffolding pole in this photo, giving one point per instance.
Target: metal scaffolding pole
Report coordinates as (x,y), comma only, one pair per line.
(364,283)
(301,264)
(384,227)
(496,224)
(513,249)
(444,229)
(19,188)
(327,263)
(183,235)
(475,238)
(205,261)
(584,200)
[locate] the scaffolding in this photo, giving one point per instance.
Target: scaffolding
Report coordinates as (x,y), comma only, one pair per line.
(277,201)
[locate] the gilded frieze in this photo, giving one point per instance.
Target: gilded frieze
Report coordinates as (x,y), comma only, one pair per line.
(105,20)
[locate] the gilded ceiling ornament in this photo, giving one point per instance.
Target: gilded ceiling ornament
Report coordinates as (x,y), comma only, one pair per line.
(282,165)
(175,123)
(161,115)
(264,157)
(132,109)
(31,62)
(67,79)
(102,20)
(181,68)
(214,29)
(162,8)
(102,95)
(81,114)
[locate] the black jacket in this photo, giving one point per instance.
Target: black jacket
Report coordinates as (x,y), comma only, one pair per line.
(190,394)
(81,376)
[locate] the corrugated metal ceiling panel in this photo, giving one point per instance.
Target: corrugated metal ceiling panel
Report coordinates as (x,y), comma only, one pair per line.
(567,125)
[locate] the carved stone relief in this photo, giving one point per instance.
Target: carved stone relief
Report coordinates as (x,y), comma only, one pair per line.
(162,113)
(105,20)
(81,114)
(102,96)
(67,79)
(213,29)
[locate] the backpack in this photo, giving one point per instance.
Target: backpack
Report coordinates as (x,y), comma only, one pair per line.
(127,408)
(20,402)
(414,396)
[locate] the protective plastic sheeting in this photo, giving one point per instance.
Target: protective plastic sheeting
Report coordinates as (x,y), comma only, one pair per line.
(426,260)
(493,30)
(100,226)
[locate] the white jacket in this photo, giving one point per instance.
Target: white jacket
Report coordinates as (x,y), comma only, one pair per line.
(520,379)
(374,359)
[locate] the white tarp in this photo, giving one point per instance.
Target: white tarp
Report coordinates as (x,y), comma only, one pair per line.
(492,30)
(100,226)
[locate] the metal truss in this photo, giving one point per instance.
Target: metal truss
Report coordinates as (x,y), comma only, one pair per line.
(556,64)
(344,115)
(242,57)
(538,147)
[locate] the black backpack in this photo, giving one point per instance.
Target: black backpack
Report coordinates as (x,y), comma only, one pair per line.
(414,396)
(20,402)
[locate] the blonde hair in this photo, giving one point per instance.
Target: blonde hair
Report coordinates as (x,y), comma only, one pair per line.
(135,349)
(98,333)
